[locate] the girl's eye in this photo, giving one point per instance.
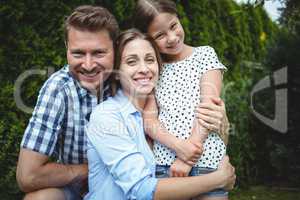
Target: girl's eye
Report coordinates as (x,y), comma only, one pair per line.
(173,26)
(159,36)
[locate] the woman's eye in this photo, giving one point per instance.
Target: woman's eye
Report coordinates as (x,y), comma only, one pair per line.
(150,60)
(131,62)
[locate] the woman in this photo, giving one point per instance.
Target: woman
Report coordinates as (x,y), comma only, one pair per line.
(121,164)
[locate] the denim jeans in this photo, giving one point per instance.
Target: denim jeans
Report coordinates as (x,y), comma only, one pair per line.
(72,192)
(162,171)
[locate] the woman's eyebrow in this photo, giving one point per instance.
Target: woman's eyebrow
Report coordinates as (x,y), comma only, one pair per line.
(130,56)
(150,54)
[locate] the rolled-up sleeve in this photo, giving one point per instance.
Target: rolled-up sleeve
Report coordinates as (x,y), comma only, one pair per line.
(45,124)
(118,150)
(209,60)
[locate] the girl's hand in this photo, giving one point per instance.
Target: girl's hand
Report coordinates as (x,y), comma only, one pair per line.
(212,115)
(180,169)
(188,151)
(227,173)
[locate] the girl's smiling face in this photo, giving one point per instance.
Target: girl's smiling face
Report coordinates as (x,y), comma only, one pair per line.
(168,34)
(139,68)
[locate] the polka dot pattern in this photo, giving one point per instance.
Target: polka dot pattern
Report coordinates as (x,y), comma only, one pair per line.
(177,95)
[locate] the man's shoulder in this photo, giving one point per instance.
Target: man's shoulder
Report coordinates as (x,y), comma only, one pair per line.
(59,80)
(60,77)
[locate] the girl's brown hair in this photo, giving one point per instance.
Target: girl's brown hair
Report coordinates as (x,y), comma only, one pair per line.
(147,10)
(123,39)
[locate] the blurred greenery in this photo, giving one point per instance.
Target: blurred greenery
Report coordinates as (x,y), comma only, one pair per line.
(246,41)
(264,193)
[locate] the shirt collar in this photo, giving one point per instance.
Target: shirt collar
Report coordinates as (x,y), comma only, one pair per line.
(82,91)
(126,107)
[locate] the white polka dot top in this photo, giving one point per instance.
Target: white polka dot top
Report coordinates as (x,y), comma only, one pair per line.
(177,95)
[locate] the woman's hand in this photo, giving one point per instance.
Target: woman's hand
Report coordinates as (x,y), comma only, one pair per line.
(212,115)
(227,173)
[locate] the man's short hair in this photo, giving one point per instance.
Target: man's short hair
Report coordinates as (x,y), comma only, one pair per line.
(93,19)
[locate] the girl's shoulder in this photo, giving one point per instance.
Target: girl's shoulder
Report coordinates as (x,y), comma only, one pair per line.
(207,56)
(205,53)
(204,49)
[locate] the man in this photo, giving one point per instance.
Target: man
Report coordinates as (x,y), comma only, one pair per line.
(65,101)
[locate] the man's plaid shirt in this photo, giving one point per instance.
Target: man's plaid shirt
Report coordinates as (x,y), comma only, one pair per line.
(57,125)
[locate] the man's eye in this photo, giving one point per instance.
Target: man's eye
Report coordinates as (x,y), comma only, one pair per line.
(99,54)
(77,54)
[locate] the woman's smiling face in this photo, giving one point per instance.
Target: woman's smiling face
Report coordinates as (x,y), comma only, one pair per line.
(139,69)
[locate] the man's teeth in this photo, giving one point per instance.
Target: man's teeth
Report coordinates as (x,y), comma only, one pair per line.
(90,74)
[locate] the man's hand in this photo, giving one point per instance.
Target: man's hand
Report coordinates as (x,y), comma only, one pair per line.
(180,169)
(188,151)
(227,173)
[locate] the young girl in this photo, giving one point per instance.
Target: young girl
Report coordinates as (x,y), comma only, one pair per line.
(121,164)
(189,74)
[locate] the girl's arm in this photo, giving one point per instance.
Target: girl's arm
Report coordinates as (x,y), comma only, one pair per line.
(187,150)
(210,87)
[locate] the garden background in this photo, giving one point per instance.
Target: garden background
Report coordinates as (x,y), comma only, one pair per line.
(246,40)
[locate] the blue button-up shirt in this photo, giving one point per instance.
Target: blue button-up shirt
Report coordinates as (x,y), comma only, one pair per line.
(121,164)
(57,123)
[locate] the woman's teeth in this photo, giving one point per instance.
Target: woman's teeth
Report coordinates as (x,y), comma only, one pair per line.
(143,81)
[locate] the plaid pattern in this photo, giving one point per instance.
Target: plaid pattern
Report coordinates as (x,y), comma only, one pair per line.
(56,127)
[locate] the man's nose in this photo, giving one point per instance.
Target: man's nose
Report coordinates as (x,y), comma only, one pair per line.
(88,62)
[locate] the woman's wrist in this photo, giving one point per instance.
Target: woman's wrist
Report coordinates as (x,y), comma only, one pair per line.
(176,144)
(220,178)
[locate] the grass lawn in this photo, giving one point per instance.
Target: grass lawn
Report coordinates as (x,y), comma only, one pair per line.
(264,193)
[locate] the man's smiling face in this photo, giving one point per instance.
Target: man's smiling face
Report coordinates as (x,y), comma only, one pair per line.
(90,56)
